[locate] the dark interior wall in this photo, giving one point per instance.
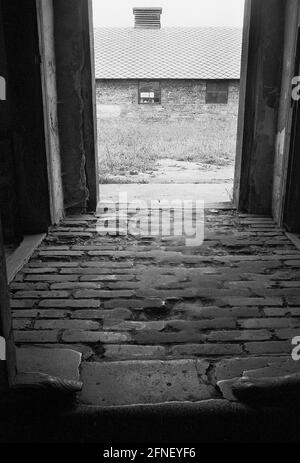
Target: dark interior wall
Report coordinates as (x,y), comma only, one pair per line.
(75,82)
(22,125)
(8,367)
(261,105)
(8,192)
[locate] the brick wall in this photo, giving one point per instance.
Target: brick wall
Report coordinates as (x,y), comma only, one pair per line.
(180,100)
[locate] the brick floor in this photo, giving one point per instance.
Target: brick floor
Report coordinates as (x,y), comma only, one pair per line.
(232,302)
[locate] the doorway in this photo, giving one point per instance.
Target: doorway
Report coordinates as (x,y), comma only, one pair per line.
(166,128)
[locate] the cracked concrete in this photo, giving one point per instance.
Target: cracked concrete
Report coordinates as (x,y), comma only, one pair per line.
(144,382)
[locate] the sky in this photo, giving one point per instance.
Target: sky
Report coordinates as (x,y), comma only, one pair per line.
(118,13)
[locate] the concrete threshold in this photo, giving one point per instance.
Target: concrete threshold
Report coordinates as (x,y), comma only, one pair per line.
(294,238)
(225,206)
(22,254)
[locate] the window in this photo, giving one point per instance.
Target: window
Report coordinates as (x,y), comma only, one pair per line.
(217,92)
(149,92)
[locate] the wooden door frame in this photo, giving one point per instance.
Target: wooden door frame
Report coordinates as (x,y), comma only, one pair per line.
(92,167)
(242,102)
(45,19)
(44,9)
(292,119)
(6,328)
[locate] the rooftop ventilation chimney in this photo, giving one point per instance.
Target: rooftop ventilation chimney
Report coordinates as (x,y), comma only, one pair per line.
(147,18)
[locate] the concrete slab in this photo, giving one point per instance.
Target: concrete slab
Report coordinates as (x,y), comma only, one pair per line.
(209,193)
(143,382)
(235,367)
(62,363)
(273,370)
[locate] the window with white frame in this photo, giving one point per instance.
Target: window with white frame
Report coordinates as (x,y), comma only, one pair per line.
(149,92)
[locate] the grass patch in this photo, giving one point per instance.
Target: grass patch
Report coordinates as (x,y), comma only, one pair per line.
(135,146)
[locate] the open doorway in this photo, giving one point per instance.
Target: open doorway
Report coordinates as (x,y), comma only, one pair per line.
(167,94)
(148,300)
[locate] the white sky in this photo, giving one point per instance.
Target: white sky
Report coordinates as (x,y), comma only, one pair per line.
(118,13)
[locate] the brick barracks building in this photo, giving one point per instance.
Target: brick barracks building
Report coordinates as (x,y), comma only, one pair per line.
(152,73)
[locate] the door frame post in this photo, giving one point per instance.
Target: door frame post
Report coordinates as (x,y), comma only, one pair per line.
(45,19)
(242,103)
(6,329)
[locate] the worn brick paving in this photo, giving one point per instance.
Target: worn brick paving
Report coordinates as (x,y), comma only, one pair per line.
(234,301)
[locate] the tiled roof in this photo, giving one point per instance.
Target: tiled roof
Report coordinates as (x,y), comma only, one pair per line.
(168,53)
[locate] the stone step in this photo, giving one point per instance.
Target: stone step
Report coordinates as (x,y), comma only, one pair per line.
(145,382)
(272,368)
(61,363)
(119,383)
